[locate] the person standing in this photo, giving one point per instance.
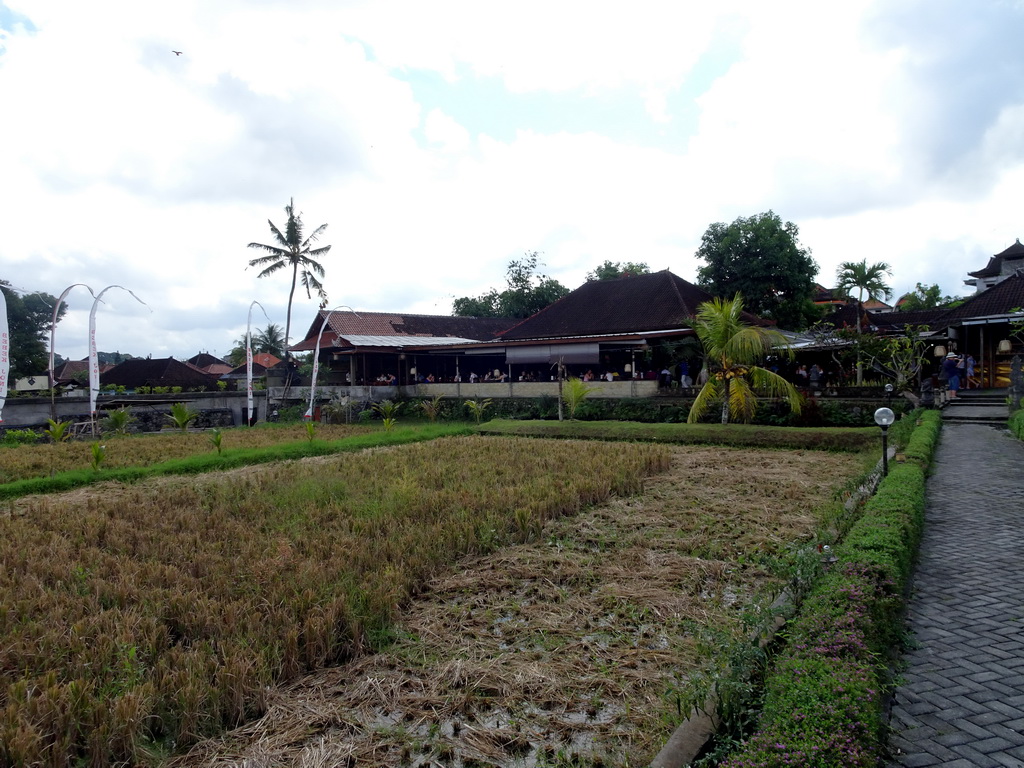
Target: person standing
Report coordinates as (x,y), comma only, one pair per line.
(951,371)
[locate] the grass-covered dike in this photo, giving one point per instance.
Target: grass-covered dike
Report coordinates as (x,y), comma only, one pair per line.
(745,435)
(824,695)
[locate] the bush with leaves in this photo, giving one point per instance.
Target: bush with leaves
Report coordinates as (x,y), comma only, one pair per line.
(574,392)
(478,408)
(58,431)
(182,416)
(118,421)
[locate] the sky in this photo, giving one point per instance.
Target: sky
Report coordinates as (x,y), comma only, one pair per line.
(439,141)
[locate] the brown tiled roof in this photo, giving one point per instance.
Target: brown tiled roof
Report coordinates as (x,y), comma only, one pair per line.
(658,301)
(901,319)
(995,263)
(398,324)
(1000,299)
(164,372)
(207,363)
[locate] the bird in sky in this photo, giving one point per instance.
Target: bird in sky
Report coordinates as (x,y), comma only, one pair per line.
(176,53)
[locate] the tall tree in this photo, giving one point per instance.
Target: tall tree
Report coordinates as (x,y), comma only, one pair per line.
(925,297)
(270,340)
(761,258)
(732,351)
(867,280)
(29,317)
(292,250)
(613,270)
(525,294)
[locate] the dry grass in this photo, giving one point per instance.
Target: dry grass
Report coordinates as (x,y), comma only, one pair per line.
(153,615)
(22,462)
(558,651)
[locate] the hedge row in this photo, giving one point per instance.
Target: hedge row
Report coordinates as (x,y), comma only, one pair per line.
(1017,423)
(824,697)
(745,435)
(823,412)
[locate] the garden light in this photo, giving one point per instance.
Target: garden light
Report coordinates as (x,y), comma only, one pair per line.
(884,417)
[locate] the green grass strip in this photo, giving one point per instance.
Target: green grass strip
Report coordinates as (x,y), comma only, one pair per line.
(230,459)
(748,435)
(824,698)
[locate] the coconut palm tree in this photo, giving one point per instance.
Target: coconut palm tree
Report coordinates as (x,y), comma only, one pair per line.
(295,252)
(732,349)
(867,280)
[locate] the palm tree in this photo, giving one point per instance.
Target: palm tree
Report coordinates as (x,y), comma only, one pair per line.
(868,280)
(731,350)
(270,339)
(294,251)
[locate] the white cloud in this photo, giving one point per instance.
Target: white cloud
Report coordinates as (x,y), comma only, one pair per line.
(125,164)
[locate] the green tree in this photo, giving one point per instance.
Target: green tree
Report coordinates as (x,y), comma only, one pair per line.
(29,318)
(295,251)
(925,297)
(867,280)
(761,258)
(270,340)
(732,350)
(614,270)
(525,294)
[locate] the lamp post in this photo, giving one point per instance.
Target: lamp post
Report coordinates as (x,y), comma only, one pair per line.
(888,394)
(883,418)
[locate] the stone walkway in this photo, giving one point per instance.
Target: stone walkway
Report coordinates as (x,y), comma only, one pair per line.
(962,698)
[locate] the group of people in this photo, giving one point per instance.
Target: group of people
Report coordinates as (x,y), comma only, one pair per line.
(957,370)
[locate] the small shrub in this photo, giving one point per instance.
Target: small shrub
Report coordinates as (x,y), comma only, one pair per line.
(478,407)
(58,431)
(182,416)
(574,392)
(388,410)
(20,437)
(217,440)
(99,452)
(118,421)
(432,408)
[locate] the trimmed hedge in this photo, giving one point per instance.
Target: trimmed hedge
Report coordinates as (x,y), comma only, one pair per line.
(1017,424)
(824,697)
(747,435)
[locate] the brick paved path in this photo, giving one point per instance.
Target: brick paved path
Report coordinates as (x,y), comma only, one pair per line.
(962,700)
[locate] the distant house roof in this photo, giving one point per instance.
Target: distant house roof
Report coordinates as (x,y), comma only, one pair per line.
(998,301)
(209,364)
(995,266)
(659,301)
(347,329)
(163,372)
(265,359)
(66,371)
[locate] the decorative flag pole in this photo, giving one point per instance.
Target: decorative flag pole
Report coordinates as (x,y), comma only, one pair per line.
(316,355)
(94,364)
(53,333)
(5,352)
(248,360)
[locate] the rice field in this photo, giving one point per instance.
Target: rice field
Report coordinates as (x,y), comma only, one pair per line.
(137,621)
(23,462)
(570,647)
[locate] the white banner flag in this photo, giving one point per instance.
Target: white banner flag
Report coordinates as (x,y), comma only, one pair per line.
(5,352)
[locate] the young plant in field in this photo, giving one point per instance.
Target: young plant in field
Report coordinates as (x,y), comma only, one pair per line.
(99,453)
(478,408)
(310,430)
(574,392)
(182,416)
(217,440)
(118,421)
(432,408)
(58,431)
(388,410)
